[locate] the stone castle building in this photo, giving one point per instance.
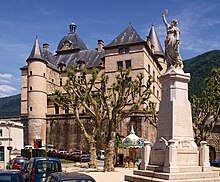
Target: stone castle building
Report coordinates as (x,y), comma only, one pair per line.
(46,71)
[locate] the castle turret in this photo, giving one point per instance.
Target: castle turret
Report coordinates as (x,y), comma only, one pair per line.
(158,51)
(37,95)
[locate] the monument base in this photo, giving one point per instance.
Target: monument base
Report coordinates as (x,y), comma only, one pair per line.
(149,175)
(175,156)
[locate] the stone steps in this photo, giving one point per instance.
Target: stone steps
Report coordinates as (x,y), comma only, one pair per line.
(146,175)
(174,176)
(157,168)
(137,178)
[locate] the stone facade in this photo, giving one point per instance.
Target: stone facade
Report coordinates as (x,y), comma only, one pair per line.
(45,72)
(64,133)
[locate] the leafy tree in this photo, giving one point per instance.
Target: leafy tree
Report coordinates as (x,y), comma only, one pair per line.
(80,96)
(206,109)
(122,99)
(107,105)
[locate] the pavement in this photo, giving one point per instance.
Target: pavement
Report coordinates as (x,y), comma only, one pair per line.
(98,174)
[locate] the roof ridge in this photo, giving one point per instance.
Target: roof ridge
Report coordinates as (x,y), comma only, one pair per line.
(128,35)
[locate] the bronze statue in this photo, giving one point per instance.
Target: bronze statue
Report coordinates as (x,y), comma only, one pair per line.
(172,42)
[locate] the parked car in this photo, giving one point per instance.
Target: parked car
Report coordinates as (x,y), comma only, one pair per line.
(40,167)
(214,163)
(80,156)
(16,163)
(50,147)
(101,154)
(70,176)
(11,176)
(63,152)
(85,157)
(28,147)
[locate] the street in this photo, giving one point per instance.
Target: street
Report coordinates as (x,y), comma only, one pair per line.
(99,175)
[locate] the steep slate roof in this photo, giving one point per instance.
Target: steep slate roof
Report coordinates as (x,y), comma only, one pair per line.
(128,36)
(90,57)
(155,42)
(36,52)
(73,39)
(49,57)
(77,52)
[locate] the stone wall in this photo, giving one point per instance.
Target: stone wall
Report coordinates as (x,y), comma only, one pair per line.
(64,133)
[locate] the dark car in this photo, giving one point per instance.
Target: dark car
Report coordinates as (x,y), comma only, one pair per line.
(85,157)
(11,176)
(40,167)
(17,163)
(80,156)
(69,176)
(214,163)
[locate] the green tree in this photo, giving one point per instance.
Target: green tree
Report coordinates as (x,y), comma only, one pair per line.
(122,99)
(206,109)
(80,95)
(107,105)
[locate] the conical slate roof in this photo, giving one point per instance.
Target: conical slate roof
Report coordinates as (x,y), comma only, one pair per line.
(155,42)
(128,36)
(36,52)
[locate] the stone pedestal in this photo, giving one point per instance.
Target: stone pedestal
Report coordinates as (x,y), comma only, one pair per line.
(145,155)
(175,156)
(175,147)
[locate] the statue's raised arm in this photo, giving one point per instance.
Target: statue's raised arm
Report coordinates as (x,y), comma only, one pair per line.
(172,42)
(164,20)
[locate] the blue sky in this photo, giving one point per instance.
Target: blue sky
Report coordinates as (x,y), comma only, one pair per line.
(22,20)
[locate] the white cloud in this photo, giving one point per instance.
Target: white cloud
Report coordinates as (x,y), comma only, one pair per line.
(6,76)
(4,81)
(6,89)
(196,20)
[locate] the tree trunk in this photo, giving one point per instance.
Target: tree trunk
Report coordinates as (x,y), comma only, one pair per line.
(93,157)
(110,154)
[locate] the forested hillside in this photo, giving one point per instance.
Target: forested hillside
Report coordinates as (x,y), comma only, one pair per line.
(10,106)
(199,67)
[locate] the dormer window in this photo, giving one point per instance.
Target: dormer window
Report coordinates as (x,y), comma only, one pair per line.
(67,45)
(126,49)
(62,66)
(123,50)
(80,65)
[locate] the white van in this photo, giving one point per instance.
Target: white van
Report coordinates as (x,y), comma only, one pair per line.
(28,147)
(101,154)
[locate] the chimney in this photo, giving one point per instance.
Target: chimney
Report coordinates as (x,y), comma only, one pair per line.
(100,45)
(45,47)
